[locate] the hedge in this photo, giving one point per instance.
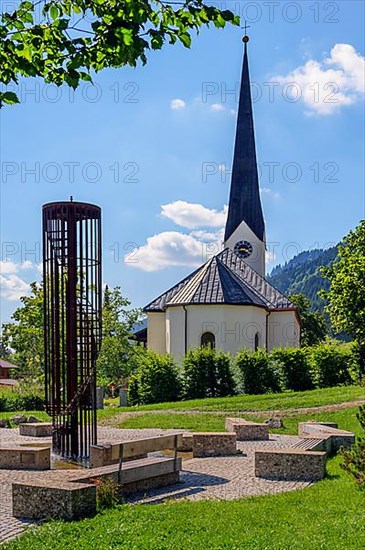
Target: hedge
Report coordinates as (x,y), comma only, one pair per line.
(207,373)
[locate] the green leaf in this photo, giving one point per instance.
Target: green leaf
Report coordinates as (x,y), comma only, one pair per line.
(185,38)
(9,97)
(54,12)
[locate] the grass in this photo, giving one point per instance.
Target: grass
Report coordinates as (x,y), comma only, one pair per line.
(329,515)
(41,415)
(346,419)
(241,403)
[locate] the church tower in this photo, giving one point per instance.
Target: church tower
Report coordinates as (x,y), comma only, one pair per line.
(245,228)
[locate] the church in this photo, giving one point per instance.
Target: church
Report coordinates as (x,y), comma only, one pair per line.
(227,303)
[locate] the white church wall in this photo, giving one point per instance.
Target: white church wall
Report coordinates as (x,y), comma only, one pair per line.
(244,233)
(175,331)
(234,327)
(156,332)
(284,330)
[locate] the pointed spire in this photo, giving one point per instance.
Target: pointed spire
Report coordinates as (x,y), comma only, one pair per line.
(244,201)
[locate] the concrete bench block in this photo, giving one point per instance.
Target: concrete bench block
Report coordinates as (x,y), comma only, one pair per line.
(338,438)
(54,501)
(214,444)
(247,431)
(290,465)
(36,429)
(104,455)
(187,443)
(25,458)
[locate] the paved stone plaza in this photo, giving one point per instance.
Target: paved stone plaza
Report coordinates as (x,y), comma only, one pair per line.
(226,478)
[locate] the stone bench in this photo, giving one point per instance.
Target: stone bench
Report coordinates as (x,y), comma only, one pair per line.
(309,443)
(290,464)
(18,457)
(246,430)
(50,500)
(337,438)
(75,498)
(36,429)
(214,444)
(104,455)
(187,443)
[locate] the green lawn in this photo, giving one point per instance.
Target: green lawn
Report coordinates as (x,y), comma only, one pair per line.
(41,415)
(240,403)
(198,422)
(330,515)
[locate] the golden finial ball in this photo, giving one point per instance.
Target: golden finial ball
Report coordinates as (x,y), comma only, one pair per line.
(245,39)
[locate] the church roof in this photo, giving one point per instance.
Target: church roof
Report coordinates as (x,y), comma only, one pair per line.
(224,279)
(244,200)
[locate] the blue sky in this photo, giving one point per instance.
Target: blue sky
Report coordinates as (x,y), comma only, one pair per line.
(153,147)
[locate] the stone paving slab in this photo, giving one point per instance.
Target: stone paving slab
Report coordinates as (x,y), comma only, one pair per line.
(227,477)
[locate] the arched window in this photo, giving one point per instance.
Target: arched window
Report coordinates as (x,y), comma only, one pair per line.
(257,341)
(207,339)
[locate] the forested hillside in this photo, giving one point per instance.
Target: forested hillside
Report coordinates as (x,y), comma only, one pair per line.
(301,275)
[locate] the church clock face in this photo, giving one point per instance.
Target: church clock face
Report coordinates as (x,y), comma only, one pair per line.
(243,249)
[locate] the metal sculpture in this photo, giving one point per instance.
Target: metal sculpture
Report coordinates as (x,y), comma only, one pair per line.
(72,322)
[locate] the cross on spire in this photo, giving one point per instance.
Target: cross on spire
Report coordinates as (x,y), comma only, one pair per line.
(246,27)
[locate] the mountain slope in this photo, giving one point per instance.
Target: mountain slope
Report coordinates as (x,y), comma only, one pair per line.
(301,275)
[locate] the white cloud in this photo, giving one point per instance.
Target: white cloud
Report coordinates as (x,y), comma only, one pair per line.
(167,249)
(209,236)
(328,85)
(269,192)
(193,215)
(177,104)
(8,267)
(13,287)
(217,107)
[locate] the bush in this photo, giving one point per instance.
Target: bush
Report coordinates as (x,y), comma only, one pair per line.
(354,458)
(14,400)
(207,373)
(295,368)
(155,381)
(107,494)
(258,375)
(334,364)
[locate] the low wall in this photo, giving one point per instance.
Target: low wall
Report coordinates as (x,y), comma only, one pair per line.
(25,458)
(214,444)
(36,429)
(290,465)
(338,438)
(61,500)
(247,431)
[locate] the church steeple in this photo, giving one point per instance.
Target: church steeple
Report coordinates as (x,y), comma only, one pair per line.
(244,203)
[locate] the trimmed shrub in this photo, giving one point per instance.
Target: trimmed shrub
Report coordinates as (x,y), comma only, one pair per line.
(257,374)
(13,400)
(207,373)
(295,368)
(155,381)
(334,364)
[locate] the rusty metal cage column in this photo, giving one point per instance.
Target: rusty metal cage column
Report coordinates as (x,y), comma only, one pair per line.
(72,322)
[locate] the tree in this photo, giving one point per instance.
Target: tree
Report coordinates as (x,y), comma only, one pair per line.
(62,41)
(24,334)
(346,295)
(313,325)
(114,358)
(354,458)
